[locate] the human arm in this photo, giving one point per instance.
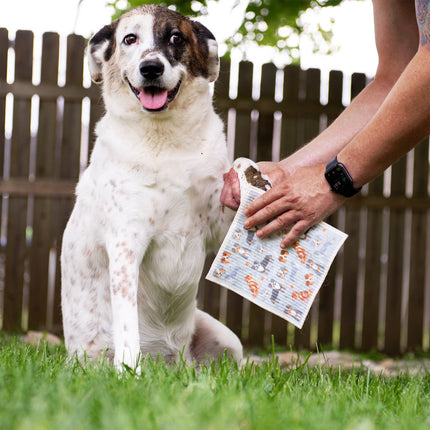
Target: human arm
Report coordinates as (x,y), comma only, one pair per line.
(394,52)
(401,122)
(396,37)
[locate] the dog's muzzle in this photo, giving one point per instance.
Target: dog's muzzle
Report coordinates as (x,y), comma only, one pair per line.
(152,96)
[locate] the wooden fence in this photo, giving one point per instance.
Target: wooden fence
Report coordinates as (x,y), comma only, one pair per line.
(377,293)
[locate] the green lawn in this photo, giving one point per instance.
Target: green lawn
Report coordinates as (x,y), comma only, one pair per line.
(41,390)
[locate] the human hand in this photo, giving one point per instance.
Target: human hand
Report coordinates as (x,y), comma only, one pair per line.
(300,201)
(274,171)
(230,194)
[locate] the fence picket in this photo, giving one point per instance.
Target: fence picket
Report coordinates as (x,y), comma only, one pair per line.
(351,257)
(243,118)
(349,279)
(4,45)
(373,267)
(311,129)
(266,120)
(70,150)
(43,234)
(289,126)
(97,110)
(258,316)
(234,302)
(221,91)
(16,248)
(326,294)
(209,296)
(395,262)
(244,125)
(418,258)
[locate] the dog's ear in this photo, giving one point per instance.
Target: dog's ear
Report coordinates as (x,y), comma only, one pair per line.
(100,49)
(209,47)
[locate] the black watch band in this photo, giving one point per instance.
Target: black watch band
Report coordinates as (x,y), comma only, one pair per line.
(339,179)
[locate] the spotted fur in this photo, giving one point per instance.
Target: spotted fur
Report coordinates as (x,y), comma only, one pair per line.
(147,207)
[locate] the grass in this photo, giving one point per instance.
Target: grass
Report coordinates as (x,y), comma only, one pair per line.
(40,389)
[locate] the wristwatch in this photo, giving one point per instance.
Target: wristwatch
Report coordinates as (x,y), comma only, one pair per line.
(339,179)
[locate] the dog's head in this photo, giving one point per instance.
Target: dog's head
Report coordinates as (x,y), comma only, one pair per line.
(149,54)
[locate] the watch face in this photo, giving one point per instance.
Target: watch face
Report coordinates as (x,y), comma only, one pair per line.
(338,178)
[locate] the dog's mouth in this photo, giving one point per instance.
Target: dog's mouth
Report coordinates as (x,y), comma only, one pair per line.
(154,99)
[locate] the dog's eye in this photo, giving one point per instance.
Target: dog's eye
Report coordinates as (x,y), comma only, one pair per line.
(130,39)
(176,39)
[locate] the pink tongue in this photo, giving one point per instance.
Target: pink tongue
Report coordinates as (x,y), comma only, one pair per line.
(153,101)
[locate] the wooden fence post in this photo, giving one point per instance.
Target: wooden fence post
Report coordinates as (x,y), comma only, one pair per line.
(350,260)
(257,315)
(43,218)
(326,294)
(373,267)
(419,259)
(395,261)
(16,248)
(311,129)
(234,302)
(70,150)
(4,47)
(290,135)
(209,295)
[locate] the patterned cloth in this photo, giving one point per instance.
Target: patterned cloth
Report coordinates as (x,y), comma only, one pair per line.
(282,281)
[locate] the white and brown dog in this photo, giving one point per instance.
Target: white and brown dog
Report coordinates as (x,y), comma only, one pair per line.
(147,206)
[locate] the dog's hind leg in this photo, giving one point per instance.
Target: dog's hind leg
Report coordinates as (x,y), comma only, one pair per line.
(211,339)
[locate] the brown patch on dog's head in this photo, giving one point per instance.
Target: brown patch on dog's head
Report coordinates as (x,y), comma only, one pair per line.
(199,50)
(101,47)
(196,49)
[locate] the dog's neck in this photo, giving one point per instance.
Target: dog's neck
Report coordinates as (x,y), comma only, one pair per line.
(185,127)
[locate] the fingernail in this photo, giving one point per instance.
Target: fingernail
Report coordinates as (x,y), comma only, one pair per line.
(283,245)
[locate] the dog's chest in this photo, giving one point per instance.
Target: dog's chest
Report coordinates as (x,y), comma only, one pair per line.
(176,211)
(178,200)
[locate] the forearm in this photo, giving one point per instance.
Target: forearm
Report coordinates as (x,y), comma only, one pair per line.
(334,138)
(380,126)
(402,121)
(397,39)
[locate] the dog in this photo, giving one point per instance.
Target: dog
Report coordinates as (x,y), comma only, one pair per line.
(147,207)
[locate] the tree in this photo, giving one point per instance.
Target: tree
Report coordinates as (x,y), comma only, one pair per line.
(274,23)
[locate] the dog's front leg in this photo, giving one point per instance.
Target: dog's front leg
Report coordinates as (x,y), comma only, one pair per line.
(124,262)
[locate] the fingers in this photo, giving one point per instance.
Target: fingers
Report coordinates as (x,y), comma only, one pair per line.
(287,221)
(273,203)
(297,230)
(279,223)
(276,213)
(274,196)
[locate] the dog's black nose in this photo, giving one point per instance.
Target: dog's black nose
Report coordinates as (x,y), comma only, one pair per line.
(151,69)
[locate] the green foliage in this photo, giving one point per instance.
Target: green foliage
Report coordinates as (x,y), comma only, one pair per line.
(274,23)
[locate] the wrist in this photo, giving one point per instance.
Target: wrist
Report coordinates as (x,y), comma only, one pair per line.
(339,178)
